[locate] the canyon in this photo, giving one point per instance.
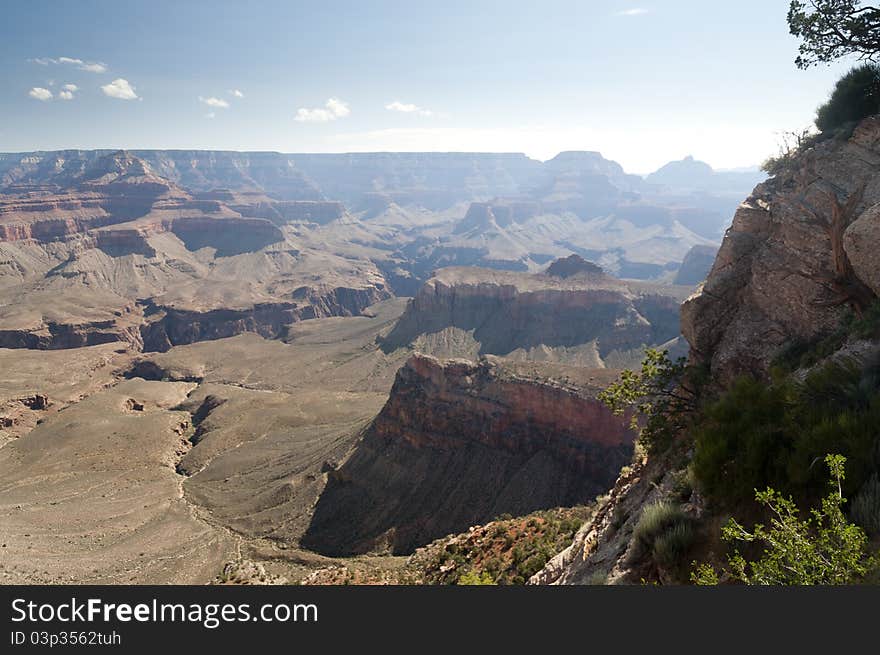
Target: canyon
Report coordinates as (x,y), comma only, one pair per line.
(268,362)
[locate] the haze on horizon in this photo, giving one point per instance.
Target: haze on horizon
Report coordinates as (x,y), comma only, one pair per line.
(643,82)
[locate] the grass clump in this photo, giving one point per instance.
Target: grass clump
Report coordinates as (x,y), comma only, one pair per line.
(665,533)
(672,546)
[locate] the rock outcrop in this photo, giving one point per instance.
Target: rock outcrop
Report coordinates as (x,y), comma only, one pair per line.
(459,443)
(501,312)
(861,241)
(573,265)
(776,278)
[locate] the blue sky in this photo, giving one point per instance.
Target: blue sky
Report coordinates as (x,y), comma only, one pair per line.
(643,82)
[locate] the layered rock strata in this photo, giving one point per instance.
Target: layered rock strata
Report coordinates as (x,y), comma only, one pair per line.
(459,443)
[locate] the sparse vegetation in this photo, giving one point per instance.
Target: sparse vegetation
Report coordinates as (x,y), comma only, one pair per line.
(506,551)
(821,549)
(791,145)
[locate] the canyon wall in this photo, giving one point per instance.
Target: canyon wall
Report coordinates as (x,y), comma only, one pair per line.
(459,443)
(507,311)
(169,326)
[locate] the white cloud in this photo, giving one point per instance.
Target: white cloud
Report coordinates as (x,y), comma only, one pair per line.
(65,95)
(333,109)
(39,93)
(408,108)
(215,102)
(210,114)
(339,108)
(120,89)
(236,93)
(70,87)
(637,11)
(88,66)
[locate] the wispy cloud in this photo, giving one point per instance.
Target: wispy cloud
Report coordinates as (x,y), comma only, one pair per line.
(236,93)
(39,93)
(88,66)
(334,108)
(408,108)
(211,114)
(120,89)
(215,102)
(635,11)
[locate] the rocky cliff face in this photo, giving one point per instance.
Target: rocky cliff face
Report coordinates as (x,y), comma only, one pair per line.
(777,278)
(169,326)
(459,443)
(502,312)
(294,211)
(55,336)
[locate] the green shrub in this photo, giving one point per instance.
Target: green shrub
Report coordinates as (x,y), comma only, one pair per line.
(474,578)
(822,549)
(865,508)
(856,96)
(659,398)
(758,434)
(682,484)
(741,442)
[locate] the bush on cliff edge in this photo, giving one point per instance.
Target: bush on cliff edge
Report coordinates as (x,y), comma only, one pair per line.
(856,96)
